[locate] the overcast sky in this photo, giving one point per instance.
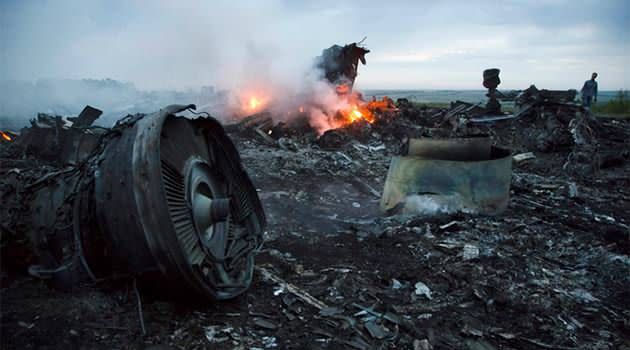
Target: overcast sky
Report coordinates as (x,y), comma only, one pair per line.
(417,44)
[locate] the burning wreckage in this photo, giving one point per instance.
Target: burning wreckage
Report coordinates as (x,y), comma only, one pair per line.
(493,230)
(340,64)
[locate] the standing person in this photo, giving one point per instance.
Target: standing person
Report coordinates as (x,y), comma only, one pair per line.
(589,91)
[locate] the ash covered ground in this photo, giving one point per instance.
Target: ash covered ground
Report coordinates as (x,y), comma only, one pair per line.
(551,272)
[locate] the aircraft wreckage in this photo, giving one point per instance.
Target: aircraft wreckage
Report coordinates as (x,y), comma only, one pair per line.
(157,195)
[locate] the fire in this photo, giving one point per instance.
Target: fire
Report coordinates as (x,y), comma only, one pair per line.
(385,104)
(254,102)
(251,101)
(6,136)
(361,110)
(356,113)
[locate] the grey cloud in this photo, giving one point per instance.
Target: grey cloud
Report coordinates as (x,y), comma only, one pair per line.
(168,44)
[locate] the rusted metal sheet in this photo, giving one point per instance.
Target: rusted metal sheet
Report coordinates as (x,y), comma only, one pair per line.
(449,175)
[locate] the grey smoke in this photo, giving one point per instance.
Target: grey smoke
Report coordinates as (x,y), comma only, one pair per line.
(167,49)
(21,101)
(178,45)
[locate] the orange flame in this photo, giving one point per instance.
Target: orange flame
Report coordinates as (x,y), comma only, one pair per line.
(385,104)
(254,102)
(5,136)
(368,111)
(356,113)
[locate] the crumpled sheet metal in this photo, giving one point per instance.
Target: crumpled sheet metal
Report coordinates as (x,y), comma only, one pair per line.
(449,175)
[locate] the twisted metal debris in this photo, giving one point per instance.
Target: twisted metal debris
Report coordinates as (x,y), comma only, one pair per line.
(158,195)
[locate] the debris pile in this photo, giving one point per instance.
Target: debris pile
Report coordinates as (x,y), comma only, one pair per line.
(551,271)
(547,121)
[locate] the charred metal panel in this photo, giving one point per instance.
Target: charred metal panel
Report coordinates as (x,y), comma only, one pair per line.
(339,65)
(473,177)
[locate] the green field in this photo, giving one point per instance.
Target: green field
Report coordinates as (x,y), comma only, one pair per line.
(618,107)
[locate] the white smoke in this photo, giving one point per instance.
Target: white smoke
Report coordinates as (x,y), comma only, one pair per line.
(433,204)
(250,48)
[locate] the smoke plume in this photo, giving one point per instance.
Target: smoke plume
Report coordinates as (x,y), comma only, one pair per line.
(164,52)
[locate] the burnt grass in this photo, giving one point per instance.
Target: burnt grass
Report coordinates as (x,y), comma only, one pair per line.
(552,272)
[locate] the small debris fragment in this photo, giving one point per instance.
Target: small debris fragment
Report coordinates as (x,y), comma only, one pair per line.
(470,252)
(479,345)
(263,323)
(26,325)
(269,342)
(217,334)
(330,311)
(375,330)
(448,225)
(423,289)
(583,295)
(523,157)
(422,344)
(573,190)
(508,336)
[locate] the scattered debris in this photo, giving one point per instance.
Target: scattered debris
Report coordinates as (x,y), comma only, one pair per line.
(263,323)
(375,330)
(422,345)
(86,117)
(573,190)
(552,271)
(396,284)
(218,334)
(470,252)
(304,296)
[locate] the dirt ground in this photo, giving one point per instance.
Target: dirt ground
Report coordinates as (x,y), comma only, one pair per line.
(552,272)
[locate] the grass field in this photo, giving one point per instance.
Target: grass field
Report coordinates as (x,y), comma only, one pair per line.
(618,107)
